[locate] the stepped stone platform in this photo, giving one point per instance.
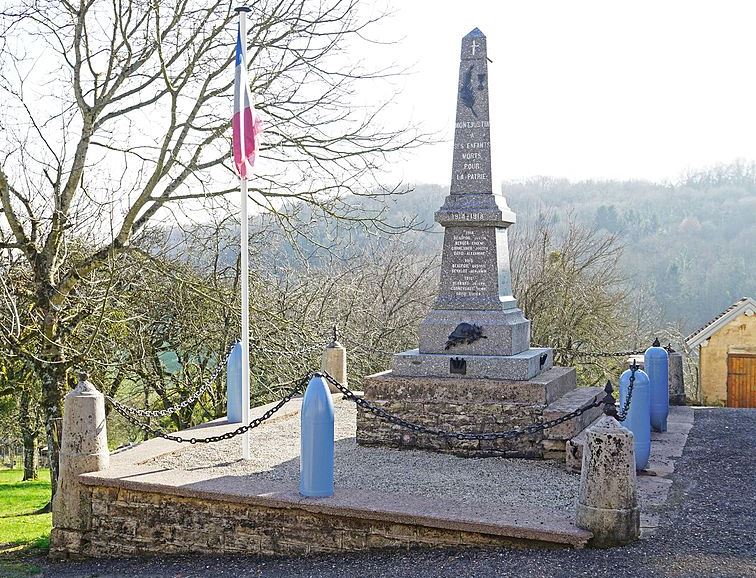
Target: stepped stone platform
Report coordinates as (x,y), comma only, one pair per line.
(161,498)
(478,405)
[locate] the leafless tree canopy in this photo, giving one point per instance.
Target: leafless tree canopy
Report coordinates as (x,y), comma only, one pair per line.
(116,117)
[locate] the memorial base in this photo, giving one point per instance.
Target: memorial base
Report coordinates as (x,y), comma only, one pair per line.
(522,366)
(466,405)
(506,332)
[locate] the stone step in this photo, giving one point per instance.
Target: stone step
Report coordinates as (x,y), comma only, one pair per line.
(574,450)
(519,367)
(568,403)
(665,447)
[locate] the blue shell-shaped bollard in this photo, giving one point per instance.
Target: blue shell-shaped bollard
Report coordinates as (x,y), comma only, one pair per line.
(656,365)
(316,441)
(638,418)
(234,385)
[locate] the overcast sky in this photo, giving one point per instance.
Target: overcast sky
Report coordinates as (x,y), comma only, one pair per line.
(588,89)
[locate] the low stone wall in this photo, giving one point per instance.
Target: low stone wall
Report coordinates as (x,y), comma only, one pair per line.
(124,522)
(466,405)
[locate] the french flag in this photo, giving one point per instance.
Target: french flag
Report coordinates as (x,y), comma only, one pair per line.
(245,123)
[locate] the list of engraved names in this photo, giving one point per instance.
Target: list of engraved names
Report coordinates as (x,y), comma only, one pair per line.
(469,264)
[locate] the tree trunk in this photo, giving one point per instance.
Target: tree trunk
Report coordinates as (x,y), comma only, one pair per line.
(52,375)
(30,457)
(53,391)
(29,436)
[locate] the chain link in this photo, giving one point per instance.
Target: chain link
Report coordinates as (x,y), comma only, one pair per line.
(509,434)
(298,388)
(597,353)
(304,350)
(578,353)
(181,405)
(130,413)
(622,415)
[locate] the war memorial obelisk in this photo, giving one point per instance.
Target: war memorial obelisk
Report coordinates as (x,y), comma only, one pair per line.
(474,370)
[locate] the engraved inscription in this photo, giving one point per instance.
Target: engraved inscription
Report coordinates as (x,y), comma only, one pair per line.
(469,267)
(472,164)
(467,217)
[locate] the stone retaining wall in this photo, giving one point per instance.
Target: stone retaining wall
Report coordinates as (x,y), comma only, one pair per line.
(124,523)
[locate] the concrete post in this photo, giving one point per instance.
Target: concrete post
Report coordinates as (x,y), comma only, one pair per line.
(84,449)
(335,362)
(676,380)
(607,502)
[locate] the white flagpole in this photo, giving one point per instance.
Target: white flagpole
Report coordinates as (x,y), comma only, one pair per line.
(242,11)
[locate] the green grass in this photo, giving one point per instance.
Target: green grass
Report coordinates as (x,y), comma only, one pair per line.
(10,569)
(20,527)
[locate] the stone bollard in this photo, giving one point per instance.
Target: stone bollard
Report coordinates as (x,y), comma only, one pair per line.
(607,502)
(335,362)
(676,380)
(84,449)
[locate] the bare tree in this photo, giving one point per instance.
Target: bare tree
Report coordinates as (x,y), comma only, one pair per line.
(116,115)
(569,283)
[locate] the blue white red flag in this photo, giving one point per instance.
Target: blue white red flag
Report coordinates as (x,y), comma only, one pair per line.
(245,123)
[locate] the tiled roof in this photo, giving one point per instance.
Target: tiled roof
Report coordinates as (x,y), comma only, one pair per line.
(703,333)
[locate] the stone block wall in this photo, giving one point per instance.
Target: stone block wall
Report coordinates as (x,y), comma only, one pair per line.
(126,523)
(470,417)
(464,405)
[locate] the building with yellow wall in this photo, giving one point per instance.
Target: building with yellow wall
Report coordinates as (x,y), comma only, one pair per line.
(726,348)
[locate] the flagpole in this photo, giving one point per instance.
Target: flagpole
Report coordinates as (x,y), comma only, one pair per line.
(245,315)
(242,12)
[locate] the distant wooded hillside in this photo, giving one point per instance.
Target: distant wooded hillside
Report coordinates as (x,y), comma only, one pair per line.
(690,246)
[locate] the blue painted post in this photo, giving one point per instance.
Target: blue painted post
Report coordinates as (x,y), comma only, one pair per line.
(656,365)
(234,385)
(638,418)
(316,441)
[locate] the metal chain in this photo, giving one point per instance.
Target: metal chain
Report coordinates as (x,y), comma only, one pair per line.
(510,434)
(181,405)
(609,354)
(622,415)
(285,352)
(356,345)
(298,388)
(597,353)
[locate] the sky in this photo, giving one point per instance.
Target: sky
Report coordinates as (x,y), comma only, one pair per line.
(585,89)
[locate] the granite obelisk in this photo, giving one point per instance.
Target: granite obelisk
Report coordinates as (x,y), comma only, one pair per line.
(476,283)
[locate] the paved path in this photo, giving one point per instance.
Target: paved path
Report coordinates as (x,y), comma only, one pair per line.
(707,528)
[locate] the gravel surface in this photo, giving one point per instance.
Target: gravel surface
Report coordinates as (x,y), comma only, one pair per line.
(708,529)
(467,480)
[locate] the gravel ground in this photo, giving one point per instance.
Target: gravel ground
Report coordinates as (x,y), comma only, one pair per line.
(708,529)
(467,480)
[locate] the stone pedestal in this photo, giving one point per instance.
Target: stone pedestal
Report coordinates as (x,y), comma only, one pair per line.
(84,449)
(464,405)
(521,366)
(608,503)
(335,363)
(676,379)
